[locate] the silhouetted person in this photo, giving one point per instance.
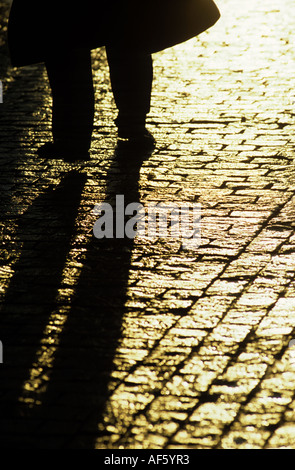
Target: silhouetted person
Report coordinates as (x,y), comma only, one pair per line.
(55,33)
(62,34)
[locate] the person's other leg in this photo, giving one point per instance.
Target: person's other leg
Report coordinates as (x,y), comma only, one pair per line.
(131,78)
(70,78)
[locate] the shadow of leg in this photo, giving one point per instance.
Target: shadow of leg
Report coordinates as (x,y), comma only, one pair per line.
(45,232)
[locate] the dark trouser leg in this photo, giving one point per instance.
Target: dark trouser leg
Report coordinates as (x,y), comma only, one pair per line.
(70,77)
(131,78)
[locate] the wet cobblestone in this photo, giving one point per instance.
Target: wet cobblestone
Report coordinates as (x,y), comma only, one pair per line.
(141,344)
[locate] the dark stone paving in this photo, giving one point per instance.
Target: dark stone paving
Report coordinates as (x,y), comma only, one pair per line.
(140,343)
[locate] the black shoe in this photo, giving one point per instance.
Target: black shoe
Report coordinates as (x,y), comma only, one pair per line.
(140,138)
(51,150)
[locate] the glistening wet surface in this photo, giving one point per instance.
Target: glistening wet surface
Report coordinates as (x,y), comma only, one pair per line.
(141,343)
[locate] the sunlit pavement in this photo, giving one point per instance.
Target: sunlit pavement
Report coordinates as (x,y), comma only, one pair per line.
(120,344)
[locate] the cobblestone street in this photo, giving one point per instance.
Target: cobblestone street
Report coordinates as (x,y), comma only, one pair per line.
(143,344)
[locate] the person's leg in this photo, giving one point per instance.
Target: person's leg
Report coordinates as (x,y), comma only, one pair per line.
(70,78)
(131,79)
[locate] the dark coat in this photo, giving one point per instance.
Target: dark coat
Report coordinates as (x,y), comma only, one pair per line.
(41,28)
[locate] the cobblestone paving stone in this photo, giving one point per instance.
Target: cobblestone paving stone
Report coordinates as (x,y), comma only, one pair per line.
(143,344)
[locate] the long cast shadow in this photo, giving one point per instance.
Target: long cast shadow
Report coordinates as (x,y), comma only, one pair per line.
(45,231)
(75,398)
(78,389)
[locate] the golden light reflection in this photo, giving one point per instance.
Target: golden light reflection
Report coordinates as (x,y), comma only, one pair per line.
(201,334)
(39,376)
